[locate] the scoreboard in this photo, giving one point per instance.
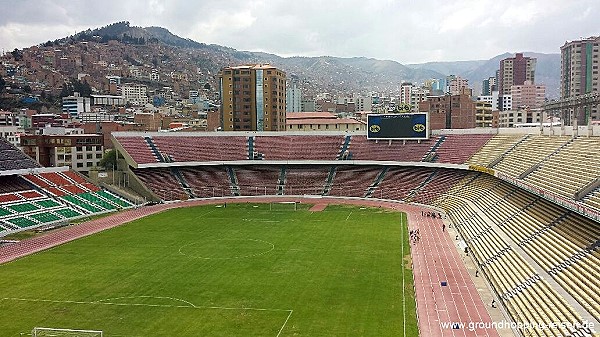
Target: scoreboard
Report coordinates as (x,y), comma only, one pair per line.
(411,126)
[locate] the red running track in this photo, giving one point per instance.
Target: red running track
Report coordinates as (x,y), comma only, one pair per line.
(452,310)
(435,259)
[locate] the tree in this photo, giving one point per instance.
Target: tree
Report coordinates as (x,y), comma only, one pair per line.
(17,54)
(109,160)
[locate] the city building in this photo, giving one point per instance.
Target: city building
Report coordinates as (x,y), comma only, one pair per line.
(133,93)
(74,105)
(293,98)
(515,71)
(484,114)
(108,100)
(413,95)
(308,105)
(460,114)
(579,72)
(488,86)
(252,98)
(362,103)
(81,152)
(457,85)
(12,134)
(528,95)
(521,118)
(321,121)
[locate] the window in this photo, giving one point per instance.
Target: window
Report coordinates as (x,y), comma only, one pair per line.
(79,164)
(79,156)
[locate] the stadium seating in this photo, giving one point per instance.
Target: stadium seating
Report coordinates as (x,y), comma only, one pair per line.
(36,199)
(361,148)
(494,149)
(208,182)
(138,149)
(549,235)
(526,296)
(593,199)
(188,148)
(440,183)
(300,180)
(13,183)
(161,182)
(257,180)
(398,182)
(457,149)
(353,181)
(529,153)
(12,158)
(570,169)
(298,147)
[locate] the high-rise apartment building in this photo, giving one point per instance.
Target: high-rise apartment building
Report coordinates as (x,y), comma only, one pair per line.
(579,71)
(528,95)
(457,84)
(488,86)
(293,98)
(413,95)
(515,71)
(579,67)
(252,98)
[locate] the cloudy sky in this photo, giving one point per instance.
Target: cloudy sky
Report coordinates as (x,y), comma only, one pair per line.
(408,31)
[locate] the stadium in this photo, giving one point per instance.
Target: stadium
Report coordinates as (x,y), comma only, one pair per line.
(310,234)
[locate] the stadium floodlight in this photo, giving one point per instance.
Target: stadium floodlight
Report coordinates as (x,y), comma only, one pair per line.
(54,332)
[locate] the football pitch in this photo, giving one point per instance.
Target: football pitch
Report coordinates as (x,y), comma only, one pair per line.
(239,270)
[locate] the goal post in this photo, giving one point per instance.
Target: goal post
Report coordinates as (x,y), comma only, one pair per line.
(54,332)
(283,206)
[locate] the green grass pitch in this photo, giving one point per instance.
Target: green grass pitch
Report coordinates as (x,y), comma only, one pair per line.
(243,270)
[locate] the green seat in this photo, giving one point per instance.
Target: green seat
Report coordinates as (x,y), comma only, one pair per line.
(114,199)
(95,200)
(23,208)
(22,222)
(85,205)
(47,203)
(68,213)
(45,217)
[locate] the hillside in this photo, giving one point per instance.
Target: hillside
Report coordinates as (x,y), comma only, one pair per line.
(317,74)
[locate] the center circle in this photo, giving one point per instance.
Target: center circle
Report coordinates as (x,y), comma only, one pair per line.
(226,249)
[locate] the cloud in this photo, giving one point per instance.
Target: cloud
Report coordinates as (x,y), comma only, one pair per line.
(403,30)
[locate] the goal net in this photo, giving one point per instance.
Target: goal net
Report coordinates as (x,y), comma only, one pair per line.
(53,332)
(283,206)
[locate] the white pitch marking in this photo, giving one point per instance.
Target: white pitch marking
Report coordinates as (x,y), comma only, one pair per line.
(141,304)
(348,217)
(155,297)
(228,258)
(284,323)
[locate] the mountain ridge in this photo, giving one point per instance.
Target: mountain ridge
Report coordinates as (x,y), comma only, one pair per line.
(342,73)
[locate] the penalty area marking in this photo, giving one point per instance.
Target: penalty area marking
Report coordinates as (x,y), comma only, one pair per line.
(189,305)
(227,258)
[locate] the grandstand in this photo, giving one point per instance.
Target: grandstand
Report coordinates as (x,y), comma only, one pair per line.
(526,205)
(32,196)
